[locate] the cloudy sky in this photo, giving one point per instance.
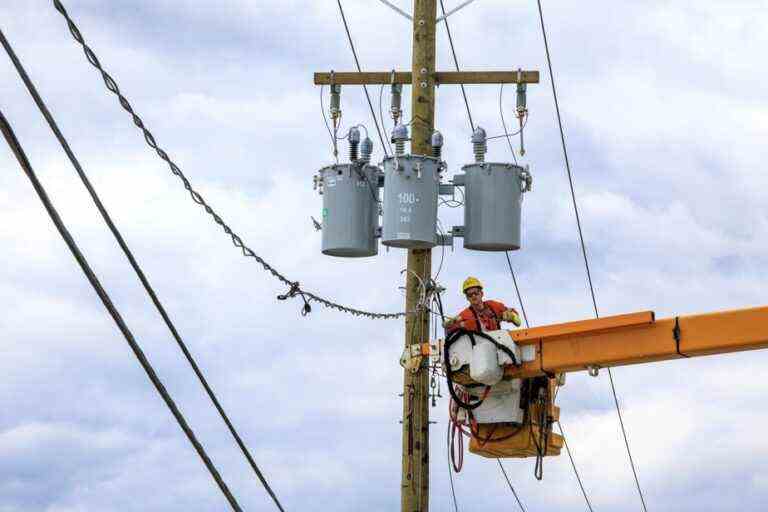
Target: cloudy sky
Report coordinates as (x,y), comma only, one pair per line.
(665,109)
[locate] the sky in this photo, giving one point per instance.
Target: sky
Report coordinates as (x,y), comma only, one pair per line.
(665,113)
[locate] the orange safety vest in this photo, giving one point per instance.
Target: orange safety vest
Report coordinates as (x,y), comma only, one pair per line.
(492,323)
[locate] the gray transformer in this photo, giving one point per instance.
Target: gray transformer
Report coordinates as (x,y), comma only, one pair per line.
(493,205)
(411,186)
(350,209)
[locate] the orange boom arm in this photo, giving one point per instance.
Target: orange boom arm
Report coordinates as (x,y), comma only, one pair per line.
(638,338)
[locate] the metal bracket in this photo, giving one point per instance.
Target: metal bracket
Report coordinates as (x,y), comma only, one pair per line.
(446,189)
(457,231)
(459,180)
(677,335)
(445,240)
(414,355)
(527,180)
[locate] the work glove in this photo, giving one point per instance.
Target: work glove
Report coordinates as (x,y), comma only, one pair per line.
(511,315)
(450,321)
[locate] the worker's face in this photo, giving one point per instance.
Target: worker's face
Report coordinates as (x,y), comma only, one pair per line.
(475,296)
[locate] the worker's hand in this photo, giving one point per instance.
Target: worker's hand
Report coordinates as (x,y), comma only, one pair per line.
(451,322)
(511,315)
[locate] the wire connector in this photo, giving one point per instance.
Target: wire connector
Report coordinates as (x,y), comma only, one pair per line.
(294,291)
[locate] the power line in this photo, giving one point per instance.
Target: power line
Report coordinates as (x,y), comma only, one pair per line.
(237,241)
(506,135)
(397,9)
(567,161)
(18,151)
(584,247)
(471,123)
(132,260)
(511,487)
(365,88)
(509,262)
(456,62)
(565,441)
(444,17)
(517,290)
(573,465)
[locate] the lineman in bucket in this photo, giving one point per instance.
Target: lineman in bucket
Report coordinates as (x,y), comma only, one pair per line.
(480,315)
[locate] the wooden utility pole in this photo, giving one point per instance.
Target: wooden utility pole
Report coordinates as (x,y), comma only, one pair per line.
(415,478)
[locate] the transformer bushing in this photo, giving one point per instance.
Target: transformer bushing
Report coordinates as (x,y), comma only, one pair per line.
(350,210)
(493,205)
(437,144)
(411,186)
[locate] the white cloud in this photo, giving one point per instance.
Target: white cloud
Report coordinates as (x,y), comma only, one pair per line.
(663,113)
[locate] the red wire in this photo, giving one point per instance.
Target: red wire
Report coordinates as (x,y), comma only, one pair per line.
(457,466)
(458,426)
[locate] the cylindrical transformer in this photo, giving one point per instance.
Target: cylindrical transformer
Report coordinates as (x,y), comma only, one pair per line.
(411,186)
(350,210)
(492,207)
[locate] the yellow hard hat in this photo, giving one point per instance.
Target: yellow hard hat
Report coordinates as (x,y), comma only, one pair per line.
(471,282)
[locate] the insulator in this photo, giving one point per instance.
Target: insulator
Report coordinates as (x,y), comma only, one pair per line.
(437,144)
(400,137)
(522,104)
(397,101)
(366,150)
(354,143)
(335,101)
(522,111)
(479,145)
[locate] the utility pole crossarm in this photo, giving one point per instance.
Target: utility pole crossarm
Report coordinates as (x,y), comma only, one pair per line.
(638,338)
(440,77)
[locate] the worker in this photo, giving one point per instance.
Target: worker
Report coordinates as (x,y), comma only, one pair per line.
(480,315)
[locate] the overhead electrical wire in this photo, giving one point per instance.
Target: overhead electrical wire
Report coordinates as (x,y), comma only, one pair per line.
(442,250)
(573,465)
(565,441)
(584,246)
(472,125)
(517,291)
(507,135)
(456,63)
(397,9)
(511,487)
(456,9)
(237,241)
(132,260)
(21,156)
(359,69)
(381,115)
